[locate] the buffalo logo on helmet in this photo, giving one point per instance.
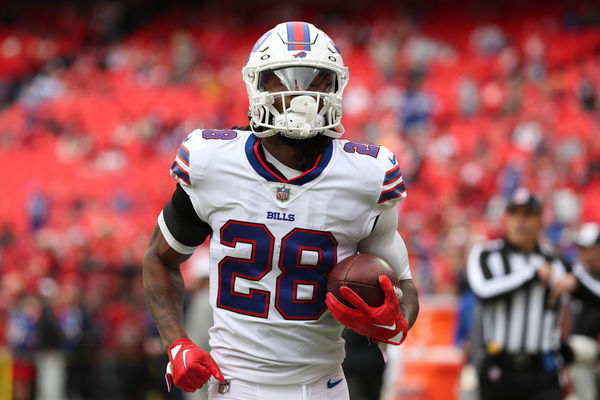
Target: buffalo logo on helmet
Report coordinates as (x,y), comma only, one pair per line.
(300,54)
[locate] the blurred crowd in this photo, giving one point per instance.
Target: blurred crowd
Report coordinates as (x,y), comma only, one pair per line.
(475,100)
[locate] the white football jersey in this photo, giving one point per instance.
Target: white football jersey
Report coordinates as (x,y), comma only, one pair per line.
(273,244)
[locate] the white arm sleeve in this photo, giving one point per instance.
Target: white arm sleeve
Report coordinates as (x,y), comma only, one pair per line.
(386,243)
(487,285)
(587,280)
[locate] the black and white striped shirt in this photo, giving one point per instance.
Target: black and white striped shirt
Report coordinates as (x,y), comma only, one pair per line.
(516,316)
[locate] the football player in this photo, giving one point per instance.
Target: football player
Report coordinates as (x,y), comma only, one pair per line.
(283,201)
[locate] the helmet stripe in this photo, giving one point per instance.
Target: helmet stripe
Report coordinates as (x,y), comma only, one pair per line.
(298,32)
(306,35)
(290,32)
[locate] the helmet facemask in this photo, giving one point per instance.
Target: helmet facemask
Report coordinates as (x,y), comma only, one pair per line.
(296,101)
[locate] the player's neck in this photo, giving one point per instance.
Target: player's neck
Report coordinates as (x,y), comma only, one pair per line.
(299,154)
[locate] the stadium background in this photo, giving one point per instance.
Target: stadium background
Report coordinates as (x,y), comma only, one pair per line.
(475,98)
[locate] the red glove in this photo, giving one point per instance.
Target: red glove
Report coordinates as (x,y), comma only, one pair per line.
(385,323)
(190,366)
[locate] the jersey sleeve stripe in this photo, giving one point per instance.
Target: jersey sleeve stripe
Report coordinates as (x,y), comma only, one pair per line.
(394,180)
(392,175)
(177,172)
(181,167)
(393,193)
(183,155)
(399,186)
(181,163)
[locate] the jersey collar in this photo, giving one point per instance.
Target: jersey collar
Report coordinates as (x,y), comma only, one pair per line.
(261,167)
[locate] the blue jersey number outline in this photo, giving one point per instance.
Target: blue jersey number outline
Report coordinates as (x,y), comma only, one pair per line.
(294,273)
(256,302)
(362,148)
(218,134)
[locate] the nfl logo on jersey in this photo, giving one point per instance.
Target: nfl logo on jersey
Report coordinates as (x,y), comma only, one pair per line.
(283,193)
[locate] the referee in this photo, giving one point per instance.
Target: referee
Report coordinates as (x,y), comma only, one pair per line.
(586,312)
(519,283)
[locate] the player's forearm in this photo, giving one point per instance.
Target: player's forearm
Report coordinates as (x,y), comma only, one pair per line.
(164,290)
(409,305)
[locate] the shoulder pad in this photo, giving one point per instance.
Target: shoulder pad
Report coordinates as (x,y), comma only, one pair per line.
(180,168)
(392,188)
(382,163)
(194,143)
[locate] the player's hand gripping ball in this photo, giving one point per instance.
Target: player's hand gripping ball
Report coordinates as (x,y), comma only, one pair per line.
(363,296)
(190,366)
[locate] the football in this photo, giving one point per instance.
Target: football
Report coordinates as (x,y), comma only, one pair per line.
(360,273)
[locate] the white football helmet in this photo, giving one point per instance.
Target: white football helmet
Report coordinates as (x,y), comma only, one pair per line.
(295,77)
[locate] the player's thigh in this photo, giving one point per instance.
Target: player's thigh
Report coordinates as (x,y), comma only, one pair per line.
(235,390)
(200,394)
(243,390)
(332,386)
